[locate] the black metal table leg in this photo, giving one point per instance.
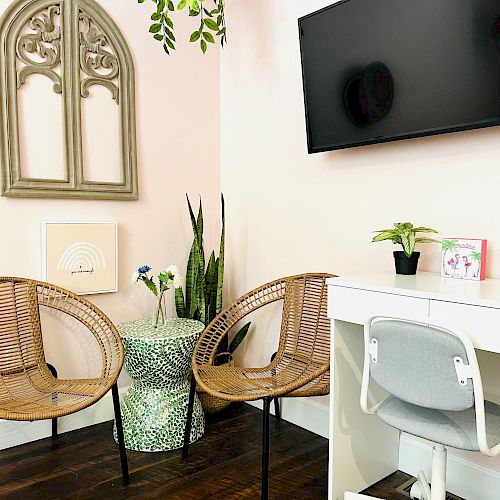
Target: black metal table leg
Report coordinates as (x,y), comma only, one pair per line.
(189,418)
(119,434)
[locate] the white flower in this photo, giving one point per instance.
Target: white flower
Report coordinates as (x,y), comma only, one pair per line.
(134,277)
(172,269)
(178,281)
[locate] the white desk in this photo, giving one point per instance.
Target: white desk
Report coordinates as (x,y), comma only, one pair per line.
(363,450)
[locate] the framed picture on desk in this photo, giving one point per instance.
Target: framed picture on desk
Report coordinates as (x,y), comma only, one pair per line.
(463,259)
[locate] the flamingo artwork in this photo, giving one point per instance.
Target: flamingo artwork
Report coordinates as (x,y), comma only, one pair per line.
(467,264)
(463,259)
(453,262)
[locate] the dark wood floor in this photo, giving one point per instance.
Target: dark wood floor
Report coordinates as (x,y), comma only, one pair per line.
(225,464)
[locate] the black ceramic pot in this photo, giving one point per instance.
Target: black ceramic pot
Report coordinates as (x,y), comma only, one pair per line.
(404,264)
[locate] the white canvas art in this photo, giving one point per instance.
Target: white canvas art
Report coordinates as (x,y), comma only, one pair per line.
(80,256)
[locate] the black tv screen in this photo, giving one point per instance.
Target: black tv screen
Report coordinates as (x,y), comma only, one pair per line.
(382,70)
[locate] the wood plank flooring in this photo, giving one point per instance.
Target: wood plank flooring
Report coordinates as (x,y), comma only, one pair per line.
(224,464)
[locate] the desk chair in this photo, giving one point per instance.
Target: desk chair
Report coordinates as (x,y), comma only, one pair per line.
(436,393)
(301,366)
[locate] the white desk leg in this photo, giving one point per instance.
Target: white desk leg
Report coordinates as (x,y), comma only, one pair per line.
(363,449)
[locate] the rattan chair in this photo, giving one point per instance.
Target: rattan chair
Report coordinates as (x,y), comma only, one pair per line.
(300,367)
(29,389)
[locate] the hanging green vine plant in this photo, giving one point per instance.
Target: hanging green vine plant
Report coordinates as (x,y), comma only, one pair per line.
(212,23)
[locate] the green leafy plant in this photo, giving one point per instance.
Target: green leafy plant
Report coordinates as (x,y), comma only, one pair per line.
(404,234)
(204,282)
(212,22)
(166,278)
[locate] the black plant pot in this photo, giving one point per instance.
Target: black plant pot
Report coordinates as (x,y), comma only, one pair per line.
(404,264)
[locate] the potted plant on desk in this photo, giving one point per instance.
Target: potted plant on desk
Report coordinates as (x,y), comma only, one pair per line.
(404,234)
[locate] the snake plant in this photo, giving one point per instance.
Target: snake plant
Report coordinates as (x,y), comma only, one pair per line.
(204,281)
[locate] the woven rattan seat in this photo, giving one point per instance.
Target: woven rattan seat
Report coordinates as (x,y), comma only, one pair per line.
(301,365)
(302,362)
(28,388)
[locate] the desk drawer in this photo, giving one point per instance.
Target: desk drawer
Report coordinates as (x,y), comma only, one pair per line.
(481,324)
(357,306)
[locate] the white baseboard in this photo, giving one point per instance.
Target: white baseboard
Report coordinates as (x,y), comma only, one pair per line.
(465,478)
(304,412)
(14,433)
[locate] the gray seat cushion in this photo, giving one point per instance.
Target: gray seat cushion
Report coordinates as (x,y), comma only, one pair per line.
(450,428)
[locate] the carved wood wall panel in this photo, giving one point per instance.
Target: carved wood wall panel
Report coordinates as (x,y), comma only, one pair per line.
(76,45)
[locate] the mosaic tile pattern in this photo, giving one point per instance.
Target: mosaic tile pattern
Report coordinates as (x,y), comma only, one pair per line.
(158,361)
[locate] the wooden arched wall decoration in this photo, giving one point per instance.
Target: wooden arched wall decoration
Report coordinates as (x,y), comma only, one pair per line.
(76,45)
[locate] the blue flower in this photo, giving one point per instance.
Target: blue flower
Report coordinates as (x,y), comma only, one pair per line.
(144,269)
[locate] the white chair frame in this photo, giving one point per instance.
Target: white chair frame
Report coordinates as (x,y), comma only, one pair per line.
(421,488)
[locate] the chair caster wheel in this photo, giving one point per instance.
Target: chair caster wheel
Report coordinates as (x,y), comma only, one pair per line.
(416,491)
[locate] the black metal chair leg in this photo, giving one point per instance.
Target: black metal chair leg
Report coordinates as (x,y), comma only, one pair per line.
(189,418)
(119,434)
(277,411)
(265,449)
(54,401)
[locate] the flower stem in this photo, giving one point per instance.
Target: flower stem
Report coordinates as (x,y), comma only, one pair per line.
(159,311)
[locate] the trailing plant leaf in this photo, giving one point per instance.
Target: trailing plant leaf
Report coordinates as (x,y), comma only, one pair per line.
(210,23)
(195,36)
(208,37)
(164,25)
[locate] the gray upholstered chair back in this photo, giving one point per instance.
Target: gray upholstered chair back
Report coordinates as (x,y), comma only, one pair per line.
(415,363)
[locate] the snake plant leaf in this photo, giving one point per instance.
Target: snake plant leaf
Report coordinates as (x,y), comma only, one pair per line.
(180,306)
(191,281)
(238,338)
(197,225)
(220,267)
(201,296)
(211,287)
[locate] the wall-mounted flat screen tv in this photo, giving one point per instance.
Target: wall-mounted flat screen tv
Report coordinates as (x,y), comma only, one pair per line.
(382,70)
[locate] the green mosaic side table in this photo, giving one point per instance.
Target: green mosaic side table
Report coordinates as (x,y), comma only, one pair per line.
(158,361)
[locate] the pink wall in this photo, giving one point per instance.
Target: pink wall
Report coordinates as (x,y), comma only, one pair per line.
(292,212)
(177,100)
